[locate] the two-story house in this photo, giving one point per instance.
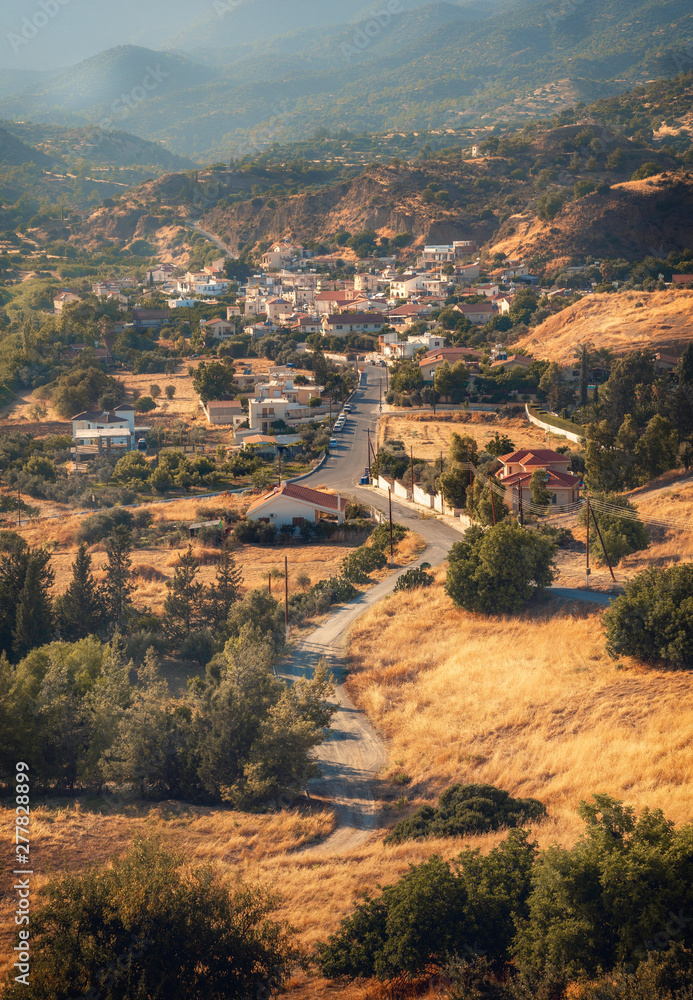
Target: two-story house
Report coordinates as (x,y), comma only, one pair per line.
(520,466)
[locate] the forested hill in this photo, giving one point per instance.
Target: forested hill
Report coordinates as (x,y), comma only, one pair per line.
(428,66)
(551,192)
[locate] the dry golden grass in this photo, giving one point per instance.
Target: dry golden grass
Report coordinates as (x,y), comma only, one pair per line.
(430,437)
(532,704)
(71,837)
(154,565)
(615,322)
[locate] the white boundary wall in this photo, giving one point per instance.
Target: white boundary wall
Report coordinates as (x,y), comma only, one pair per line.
(558,431)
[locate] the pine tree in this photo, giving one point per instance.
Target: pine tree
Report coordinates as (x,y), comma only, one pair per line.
(81,610)
(119,575)
(13,566)
(225,590)
(34,624)
(183,607)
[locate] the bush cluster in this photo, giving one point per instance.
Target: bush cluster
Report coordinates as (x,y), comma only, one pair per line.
(467,809)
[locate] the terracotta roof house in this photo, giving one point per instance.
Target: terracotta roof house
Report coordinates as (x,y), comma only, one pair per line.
(432,361)
(514,361)
(293,504)
(520,466)
(682,279)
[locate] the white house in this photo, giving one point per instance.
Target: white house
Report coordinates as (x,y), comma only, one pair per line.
(407,285)
(345,323)
(65,298)
(220,329)
(295,505)
(92,431)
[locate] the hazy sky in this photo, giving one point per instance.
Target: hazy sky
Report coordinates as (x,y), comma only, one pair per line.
(50,34)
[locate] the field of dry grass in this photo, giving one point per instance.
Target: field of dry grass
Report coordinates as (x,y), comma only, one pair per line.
(614,321)
(430,436)
(154,565)
(532,704)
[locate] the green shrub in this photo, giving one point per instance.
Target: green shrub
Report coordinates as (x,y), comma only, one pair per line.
(380,539)
(467,809)
(255,533)
(498,570)
(653,619)
(413,579)
(153,924)
(358,566)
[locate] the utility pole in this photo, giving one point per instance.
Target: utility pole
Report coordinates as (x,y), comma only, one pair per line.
(19,507)
(412,472)
(493,506)
(380,384)
(279,455)
(392,548)
(588,571)
(606,554)
(269,583)
(286,594)
(521,508)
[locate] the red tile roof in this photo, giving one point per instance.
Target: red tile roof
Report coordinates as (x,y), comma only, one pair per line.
(556,479)
(534,455)
(304,495)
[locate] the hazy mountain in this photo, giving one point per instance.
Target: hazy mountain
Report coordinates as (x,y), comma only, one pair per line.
(14,152)
(429,66)
(97,146)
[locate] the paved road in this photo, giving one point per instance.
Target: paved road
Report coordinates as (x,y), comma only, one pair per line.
(354,754)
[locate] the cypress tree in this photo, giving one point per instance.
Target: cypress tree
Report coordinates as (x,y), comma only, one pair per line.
(34,624)
(119,575)
(81,610)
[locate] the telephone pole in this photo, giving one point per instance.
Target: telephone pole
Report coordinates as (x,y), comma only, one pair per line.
(19,508)
(412,472)
(521,508)
(286,594)
(392,548)
(493,506)
(588,571)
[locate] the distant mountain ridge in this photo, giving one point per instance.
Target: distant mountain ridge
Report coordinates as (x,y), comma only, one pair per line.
(433,65)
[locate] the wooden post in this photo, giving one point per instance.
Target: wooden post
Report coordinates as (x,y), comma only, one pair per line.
(269,583)
(412,472)
(493,505)
(588,571)
(19,507)
(606,554)
(392,548)
(521,509)
(286,593)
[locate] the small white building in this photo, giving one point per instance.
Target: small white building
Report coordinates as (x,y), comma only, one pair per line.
(295,505)
(65,298)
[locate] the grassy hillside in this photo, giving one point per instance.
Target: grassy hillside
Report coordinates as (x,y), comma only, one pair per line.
(625,322)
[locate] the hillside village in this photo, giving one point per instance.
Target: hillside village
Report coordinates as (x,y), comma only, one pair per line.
(346,562)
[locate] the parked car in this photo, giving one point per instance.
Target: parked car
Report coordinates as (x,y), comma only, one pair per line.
(333,442)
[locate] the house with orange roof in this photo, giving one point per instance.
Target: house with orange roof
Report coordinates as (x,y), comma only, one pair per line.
(293,504)
(520,466)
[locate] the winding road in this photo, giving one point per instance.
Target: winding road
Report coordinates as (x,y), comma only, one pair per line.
(354,754)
